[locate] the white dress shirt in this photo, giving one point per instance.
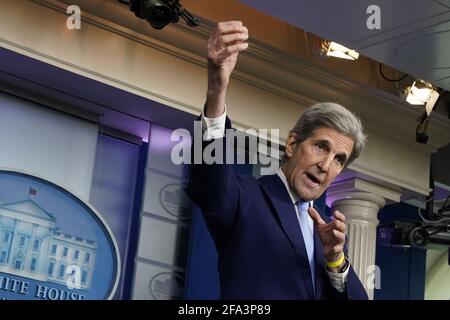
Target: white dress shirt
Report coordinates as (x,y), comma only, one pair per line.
(214,128)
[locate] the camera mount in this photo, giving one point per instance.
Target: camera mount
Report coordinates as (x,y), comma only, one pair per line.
(160,13)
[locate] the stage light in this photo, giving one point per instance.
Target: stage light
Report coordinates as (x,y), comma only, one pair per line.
(419,93)
(333,49)
(423,93)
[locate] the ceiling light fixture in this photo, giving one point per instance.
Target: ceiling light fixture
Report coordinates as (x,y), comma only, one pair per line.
(425,94)
(333,49)
(422,93)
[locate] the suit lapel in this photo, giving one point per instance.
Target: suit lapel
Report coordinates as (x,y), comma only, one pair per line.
(281,201)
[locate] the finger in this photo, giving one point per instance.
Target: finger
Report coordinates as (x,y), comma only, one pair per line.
(339,215)
(338,236)
(230,23)
(230,27)
(337,249)
(234,37)
(315,216)
(228,51)
(338,225)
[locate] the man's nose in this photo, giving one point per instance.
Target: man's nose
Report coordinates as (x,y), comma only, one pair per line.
(325,163)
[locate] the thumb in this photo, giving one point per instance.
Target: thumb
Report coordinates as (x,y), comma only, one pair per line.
(315,216)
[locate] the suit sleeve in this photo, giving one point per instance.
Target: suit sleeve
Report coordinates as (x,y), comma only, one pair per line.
(215,187)
(354,289)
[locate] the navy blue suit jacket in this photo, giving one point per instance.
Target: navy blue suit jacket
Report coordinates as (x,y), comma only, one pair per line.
(260,245)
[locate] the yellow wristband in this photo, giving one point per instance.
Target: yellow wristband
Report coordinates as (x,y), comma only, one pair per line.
(336,263)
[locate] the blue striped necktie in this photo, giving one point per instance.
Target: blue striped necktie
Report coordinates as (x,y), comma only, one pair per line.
(308,235)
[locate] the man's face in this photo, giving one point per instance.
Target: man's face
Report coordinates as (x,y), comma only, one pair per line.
(314,163)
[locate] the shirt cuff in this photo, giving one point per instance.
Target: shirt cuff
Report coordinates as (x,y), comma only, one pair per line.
(338,280)
(214,128)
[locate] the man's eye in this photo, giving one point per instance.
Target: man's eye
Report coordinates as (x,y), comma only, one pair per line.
(321,146)
(340,161)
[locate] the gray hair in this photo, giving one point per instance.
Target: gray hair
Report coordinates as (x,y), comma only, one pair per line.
(334,116)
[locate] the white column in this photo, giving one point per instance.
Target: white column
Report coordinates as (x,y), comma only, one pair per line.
(29,251)
(360,210)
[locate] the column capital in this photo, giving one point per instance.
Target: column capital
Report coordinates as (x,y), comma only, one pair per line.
(358,189)
(363,206)
(358,197)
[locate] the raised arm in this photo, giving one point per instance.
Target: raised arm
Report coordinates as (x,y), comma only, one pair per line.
(214,187)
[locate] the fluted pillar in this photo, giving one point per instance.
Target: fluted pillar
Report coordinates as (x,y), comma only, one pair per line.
(360,210)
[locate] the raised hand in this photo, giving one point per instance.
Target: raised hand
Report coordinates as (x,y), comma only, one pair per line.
(331,234)
(228,39)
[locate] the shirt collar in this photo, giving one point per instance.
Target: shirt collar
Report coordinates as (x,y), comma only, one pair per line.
(294,197)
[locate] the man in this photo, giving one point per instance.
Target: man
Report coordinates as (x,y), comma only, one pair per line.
(272,243)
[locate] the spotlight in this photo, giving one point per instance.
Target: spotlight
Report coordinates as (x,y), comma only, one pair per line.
(422,93)
(419,93)
(333,49)
(160,13)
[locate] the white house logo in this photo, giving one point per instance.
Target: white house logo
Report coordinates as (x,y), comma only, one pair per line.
(166,286)
(175,201)
(52,245)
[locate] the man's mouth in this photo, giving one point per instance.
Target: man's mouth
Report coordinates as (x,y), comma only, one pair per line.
(313,178)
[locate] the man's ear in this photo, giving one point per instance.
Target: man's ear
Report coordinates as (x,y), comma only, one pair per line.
(291,144)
